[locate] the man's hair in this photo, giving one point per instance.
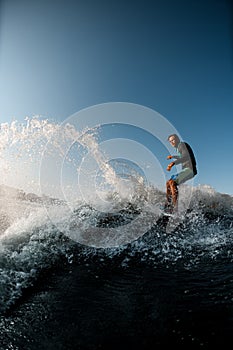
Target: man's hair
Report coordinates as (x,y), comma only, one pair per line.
(175,136)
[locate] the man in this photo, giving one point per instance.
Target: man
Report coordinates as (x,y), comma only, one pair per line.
(185,157)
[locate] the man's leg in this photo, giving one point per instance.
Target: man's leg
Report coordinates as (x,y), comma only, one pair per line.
(176,180)
(174,192)
(169,193)
(172,196)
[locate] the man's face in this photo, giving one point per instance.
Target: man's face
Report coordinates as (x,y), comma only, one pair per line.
(172,141)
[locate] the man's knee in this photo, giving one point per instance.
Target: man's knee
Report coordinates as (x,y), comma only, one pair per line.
(173,185)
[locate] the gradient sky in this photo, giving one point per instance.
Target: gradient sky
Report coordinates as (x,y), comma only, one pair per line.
(176,57)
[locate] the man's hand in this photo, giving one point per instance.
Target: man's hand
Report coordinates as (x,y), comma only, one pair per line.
(169,157)
(170,166)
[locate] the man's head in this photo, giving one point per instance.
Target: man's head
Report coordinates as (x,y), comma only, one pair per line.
(174,140)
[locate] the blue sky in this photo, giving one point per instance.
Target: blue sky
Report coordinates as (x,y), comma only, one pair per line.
(175,57)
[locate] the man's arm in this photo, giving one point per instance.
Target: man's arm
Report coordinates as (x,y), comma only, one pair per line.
(170,157)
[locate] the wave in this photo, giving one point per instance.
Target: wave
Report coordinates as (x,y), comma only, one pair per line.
(31,242)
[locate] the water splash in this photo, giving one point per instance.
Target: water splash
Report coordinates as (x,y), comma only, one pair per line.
(24,145)
(39,155)
(31,243)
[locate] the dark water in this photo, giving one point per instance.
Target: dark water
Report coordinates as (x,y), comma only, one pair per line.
(98,304)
